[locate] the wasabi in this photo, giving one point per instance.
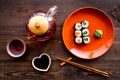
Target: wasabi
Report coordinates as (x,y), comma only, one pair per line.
(98,33)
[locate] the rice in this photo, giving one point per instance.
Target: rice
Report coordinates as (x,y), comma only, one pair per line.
(78,40)
(78,33)
(84,24)
(86,40)
(85,32)
(78,26)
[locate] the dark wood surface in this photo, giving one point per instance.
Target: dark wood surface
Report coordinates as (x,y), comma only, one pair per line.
(13,16)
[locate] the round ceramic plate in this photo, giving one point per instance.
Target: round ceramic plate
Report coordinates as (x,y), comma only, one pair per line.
(97,20)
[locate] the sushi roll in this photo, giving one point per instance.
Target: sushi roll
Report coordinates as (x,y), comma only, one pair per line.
(84,24)
(78,26)
(78,40)
(77,33)
(85,32)
(86,40)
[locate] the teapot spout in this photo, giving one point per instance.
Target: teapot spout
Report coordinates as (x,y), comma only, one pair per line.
(52,11)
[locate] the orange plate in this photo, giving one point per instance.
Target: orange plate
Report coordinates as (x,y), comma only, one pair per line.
(97,20)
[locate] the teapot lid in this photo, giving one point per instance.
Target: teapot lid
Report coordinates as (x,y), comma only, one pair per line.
(38,25)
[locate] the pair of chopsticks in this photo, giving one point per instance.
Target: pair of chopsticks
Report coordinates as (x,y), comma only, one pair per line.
(85,67)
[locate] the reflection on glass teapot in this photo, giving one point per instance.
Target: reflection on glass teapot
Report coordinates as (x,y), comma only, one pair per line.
(41,26)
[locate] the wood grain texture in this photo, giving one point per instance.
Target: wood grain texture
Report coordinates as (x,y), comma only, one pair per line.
(13,16)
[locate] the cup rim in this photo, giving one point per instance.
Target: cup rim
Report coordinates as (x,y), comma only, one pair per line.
(44,70)
(9,51)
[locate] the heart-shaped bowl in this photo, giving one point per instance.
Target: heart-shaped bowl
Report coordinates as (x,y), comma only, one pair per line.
(42,63)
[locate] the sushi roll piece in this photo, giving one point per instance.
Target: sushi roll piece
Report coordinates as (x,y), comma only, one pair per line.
(84,24)
(85,32)
(86,40)
(78,26)
(78,33)
(78,40)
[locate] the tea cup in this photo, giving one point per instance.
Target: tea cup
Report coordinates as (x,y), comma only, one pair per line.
(16,47)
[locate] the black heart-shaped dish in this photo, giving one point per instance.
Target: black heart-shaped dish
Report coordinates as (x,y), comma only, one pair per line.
(42,63)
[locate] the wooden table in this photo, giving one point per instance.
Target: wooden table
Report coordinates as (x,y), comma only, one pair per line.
(13,16)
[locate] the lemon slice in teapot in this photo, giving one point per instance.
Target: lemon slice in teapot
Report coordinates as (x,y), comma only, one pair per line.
(38,25)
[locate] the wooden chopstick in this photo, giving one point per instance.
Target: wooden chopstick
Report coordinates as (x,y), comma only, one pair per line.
(63,63)
(85,67)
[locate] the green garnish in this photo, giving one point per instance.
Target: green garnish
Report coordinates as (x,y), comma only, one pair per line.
(98,33)
(84,23)
(85,32)
(86,39)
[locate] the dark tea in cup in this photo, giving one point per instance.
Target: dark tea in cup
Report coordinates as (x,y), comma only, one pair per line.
(16,47)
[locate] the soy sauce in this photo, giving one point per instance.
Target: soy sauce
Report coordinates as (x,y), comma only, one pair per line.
(42,63)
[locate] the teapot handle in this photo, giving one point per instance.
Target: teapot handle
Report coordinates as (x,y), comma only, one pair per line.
(52,11)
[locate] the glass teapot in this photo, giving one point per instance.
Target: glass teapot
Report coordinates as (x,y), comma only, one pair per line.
(41,26)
